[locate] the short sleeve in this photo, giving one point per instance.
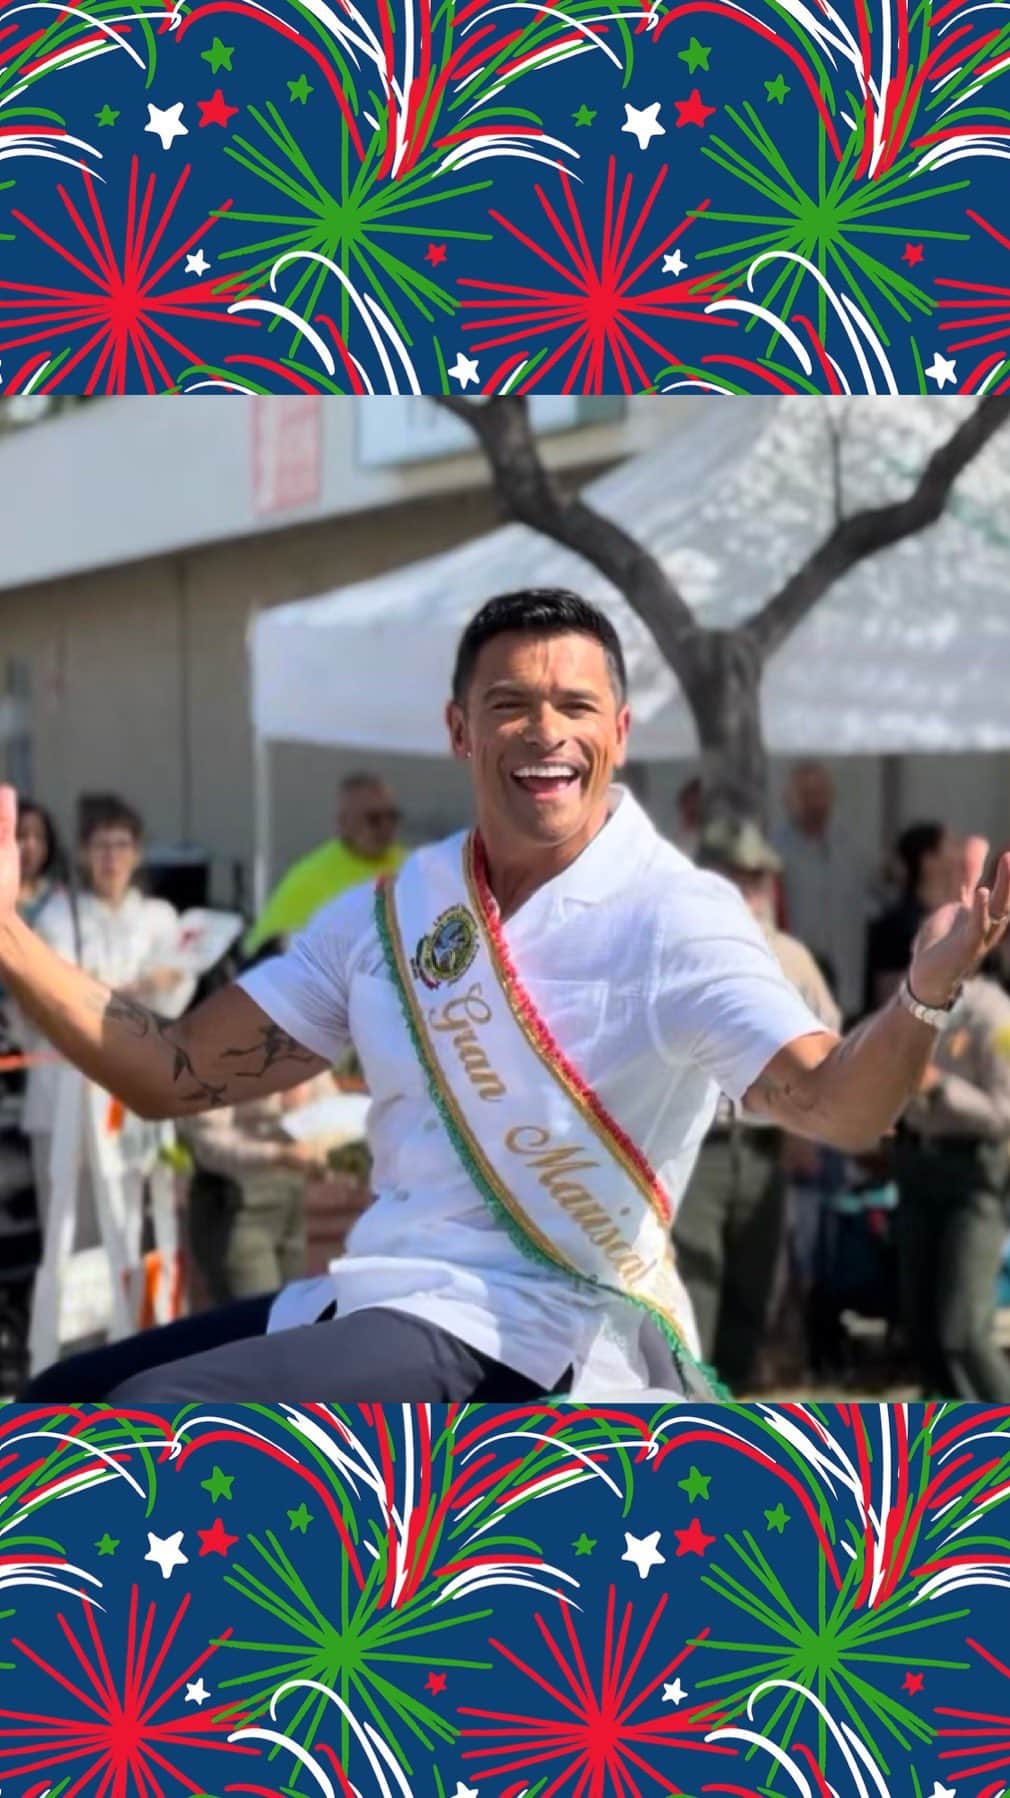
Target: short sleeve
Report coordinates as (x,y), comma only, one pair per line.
(305,989)
(721,1001)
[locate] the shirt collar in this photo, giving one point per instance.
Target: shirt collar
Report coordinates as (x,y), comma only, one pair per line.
(608,862)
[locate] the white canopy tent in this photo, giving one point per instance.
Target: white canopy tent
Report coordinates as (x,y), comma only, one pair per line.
(911,652)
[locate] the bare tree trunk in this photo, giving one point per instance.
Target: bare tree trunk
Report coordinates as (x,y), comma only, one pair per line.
(725,699)
(719,671)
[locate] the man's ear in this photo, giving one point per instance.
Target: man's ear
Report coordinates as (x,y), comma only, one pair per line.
(459,740)
(623,728)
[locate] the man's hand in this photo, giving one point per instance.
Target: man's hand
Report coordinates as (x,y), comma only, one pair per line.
(959,935)
(10,855)
(303,1158)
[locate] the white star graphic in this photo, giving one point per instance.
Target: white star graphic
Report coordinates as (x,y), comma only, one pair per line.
(675,264)
(464,370)
(643,123)
(196,1692)
(166,123)
(674,1694)
(940,1791)
(643,1552)
(463,1791)
(941,370)
(166,1551)
(197,264)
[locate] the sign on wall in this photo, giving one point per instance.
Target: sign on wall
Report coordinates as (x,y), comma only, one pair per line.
(287,452)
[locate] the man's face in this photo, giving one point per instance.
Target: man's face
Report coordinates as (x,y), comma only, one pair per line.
(368,819)
(111,857)
(813,796)
(544,729)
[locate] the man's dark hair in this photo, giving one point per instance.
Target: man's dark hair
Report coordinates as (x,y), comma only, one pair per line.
(913,846)
(107,811)
(537,612)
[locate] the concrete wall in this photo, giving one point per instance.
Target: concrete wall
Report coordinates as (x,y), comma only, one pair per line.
(138,674)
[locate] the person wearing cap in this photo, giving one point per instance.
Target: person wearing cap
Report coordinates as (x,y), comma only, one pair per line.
(731,1224)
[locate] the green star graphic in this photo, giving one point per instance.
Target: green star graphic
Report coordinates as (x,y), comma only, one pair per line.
(107,1545)
(300,89)
(696,55)
(219,1485)
(584,1545)
(301,1518)
(584,116)
(778,1518)
(107,116)
(219,56)
(777,89)
(696,1485)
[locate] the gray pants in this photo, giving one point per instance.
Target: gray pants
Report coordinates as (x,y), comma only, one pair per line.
(224,1355)
(729,1238)
(952,1224)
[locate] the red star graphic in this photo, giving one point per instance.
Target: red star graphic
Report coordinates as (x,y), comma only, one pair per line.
(912,1682)
(435,1682)
(216,1541)
(913,253)
(693,111)
(435,253)
(215,111)
(693,1541)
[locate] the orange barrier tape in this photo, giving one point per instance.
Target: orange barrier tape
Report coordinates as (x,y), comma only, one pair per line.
(8,1063)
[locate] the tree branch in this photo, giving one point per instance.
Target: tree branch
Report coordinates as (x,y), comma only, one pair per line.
(532,496)
(876,528)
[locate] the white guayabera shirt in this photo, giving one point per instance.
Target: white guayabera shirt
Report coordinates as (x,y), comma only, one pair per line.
(661,989)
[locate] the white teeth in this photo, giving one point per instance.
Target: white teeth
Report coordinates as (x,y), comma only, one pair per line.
(546,771)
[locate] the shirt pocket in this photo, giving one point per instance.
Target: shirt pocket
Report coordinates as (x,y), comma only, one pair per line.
(575,1013)
(379,1034)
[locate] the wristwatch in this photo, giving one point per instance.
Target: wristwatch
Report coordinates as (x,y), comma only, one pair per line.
(936,1016)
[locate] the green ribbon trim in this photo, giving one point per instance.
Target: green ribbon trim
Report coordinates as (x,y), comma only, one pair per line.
(705,1376)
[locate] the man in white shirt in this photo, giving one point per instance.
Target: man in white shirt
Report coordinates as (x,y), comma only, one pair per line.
(647,987)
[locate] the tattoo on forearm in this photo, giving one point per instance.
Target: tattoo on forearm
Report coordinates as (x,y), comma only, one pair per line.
(271,1048)
(274,1046)
(140,1023)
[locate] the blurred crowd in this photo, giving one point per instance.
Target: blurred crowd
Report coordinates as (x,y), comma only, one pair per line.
(796,1257)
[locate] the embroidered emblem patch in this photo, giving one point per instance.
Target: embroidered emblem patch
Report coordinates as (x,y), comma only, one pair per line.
(448,950)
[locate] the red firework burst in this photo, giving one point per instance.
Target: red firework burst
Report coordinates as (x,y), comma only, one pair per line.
(598,306)
(118,1742)
(121,306)
(984,311)
(986,1736)
(595,1733)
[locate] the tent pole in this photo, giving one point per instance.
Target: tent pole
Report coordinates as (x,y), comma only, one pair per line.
(262,818)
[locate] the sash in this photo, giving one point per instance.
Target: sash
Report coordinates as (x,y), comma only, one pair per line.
(553,1166)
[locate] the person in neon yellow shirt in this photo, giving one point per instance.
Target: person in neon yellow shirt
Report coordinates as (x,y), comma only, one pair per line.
(365,846)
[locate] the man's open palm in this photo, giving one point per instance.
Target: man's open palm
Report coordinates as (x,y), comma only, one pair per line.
(10,856)
(956,937)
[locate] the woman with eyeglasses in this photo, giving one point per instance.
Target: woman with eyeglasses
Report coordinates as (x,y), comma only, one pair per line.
(364,847)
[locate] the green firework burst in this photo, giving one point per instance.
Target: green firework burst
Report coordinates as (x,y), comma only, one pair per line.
(358,227)
(838,1654)
(833,222)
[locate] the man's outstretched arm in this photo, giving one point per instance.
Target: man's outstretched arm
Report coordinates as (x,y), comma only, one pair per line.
(849,1091)
(226,1051)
